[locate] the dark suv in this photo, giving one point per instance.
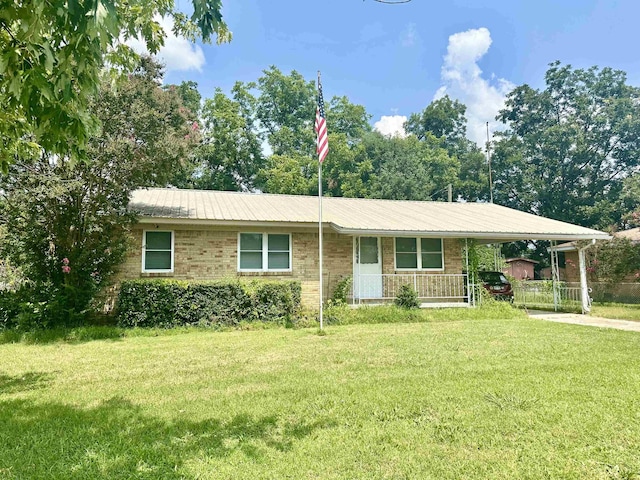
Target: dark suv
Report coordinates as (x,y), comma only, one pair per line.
(497,285)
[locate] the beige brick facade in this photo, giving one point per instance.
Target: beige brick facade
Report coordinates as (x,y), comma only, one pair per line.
(208,253)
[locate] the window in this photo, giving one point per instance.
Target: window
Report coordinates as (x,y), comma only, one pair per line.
(419,254)
(264,252)
(157,251)
(368,250)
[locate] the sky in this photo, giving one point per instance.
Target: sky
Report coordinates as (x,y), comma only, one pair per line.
(396,59)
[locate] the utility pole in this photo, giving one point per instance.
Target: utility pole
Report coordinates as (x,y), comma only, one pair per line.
(450,193)
(489,162)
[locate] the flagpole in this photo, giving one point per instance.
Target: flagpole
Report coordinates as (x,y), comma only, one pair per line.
(320,228)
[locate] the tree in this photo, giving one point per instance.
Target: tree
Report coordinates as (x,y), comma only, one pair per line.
(67,222)
(188,91)
(614,260)
(408,169)
(51,56)
(231,152)
(568,148)
(445,119)
(286,109)
(442,118)
(630,202)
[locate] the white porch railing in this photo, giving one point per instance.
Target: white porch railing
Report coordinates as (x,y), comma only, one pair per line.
(430,287)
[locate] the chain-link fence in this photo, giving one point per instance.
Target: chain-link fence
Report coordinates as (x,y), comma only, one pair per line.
(540,294)
(568,295)
(615,293)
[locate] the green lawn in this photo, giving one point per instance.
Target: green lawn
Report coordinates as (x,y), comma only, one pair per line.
(620,311)
(474,399)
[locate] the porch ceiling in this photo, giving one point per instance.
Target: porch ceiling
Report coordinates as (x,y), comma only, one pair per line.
(488,223)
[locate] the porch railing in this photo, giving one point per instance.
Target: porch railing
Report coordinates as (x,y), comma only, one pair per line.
(429,287)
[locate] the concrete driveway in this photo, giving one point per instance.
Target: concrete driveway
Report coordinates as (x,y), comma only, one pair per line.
(586,320)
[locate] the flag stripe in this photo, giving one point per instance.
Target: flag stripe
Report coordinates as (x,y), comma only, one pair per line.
(322,140)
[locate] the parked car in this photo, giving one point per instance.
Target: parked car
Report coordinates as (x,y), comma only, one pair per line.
(497,285)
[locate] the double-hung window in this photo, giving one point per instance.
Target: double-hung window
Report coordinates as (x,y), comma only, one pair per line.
(264,252)
(419,253)
(157,251)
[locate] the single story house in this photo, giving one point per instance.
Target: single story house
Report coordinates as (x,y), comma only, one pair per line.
(520,268)
(380,244)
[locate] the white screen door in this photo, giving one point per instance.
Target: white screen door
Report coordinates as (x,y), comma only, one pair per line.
(367,268)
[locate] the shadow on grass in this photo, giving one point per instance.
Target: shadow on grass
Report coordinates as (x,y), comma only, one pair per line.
(64,335)
(22,383)
(117,440)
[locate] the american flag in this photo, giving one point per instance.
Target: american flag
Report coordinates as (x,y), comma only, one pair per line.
(322,141)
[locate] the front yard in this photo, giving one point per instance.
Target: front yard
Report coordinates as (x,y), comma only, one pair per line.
(474,399)
(620,311)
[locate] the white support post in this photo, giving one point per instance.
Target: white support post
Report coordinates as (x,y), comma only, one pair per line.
(555,276)
(466,255)
(584,287)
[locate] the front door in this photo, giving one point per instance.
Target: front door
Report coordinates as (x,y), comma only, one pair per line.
(367,268)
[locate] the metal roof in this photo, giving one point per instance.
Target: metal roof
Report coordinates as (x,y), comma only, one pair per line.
(633,234)
(354,216)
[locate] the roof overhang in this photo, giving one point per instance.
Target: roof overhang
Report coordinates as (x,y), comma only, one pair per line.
(223,223)
(484,237)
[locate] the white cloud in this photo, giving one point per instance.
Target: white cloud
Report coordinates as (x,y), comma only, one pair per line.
(391,125)
(462,79)
(177,54)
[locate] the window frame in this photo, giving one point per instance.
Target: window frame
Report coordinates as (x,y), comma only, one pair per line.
(418,256)
(144,252)
(265,254)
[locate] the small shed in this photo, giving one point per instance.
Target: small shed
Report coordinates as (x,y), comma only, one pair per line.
(520,268)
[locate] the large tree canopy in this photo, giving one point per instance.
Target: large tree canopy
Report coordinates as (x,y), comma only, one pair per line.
(66,222)
(445,120)
(52,53)
(568,148)
(442,118)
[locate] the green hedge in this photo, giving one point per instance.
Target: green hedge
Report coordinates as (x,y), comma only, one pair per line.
(170,303)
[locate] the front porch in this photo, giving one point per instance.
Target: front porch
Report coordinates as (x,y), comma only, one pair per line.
(435,291)
(432,267)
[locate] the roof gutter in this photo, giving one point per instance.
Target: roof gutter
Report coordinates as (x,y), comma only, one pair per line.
(479,235)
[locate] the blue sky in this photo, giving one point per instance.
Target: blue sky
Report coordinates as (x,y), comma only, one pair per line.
(394,59)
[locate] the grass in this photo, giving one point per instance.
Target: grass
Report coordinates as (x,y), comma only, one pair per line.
(619,311)
(448,399)
(336,315)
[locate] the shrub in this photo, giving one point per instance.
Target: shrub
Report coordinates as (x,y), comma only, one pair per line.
(273,301)
(341,291)
(169,303)
(407,297)
(35,307)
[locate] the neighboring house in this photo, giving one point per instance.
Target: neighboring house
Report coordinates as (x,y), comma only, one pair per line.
(570,249)
(520,268)
(202,235)
(546,273)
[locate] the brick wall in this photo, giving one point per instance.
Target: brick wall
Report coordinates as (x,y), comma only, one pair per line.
(208,253)
(453,262)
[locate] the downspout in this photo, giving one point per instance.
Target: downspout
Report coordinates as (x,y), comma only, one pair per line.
(584,287)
